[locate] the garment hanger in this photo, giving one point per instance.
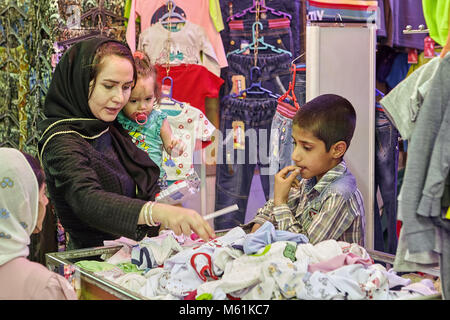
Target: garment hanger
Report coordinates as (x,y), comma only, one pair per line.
(255,86)
(259,43)
(166,98)
(14,34)
(171,14)
(378,93)
(262,8)
(69,42)
(15,7)
(100,12)
(290,93)
(10,144)
(11,117)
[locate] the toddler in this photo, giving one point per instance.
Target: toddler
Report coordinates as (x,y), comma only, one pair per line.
(148,127)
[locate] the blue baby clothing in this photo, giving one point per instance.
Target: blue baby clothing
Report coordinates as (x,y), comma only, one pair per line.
(267,234)
(147,137)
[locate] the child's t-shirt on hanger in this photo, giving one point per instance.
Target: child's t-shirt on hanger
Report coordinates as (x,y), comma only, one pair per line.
(188,45)
(197,12)
(189,125)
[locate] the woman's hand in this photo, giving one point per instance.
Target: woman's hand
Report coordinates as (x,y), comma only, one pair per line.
(182,220)
(283,184)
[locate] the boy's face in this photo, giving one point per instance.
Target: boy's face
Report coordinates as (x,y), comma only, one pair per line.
(142,98)
(310,154)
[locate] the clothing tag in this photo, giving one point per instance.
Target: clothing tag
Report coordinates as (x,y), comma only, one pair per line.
(230,8)
(413,57)
(238,135)
(447,215)
(238,84)
(428,47)
(245,43)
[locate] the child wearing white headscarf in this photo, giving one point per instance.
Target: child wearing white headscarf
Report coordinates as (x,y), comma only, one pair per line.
(22,209)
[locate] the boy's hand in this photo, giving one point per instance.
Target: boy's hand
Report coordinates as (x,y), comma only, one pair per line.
(283,184)
(255,227)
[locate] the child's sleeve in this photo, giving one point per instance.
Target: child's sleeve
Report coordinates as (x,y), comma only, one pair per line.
(159,119)
(284,215)
(277,214)
(262,215)
(333,219)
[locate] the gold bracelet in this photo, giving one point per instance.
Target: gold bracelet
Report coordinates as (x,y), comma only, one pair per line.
(150,210)
(145,209)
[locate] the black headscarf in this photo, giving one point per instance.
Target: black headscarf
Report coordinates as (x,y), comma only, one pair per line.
(67,99)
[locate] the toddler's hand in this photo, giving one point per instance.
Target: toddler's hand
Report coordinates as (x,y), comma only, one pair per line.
(177,147)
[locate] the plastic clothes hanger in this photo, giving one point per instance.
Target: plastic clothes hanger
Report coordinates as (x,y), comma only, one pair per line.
(68,42)
(171,14)
(263,8)
(379,93)
(255,86)
(15,7)
(290,93)
(100,12)
(259,43)
(167,99)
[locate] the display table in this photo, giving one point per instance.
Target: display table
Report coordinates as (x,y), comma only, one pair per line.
(92,287)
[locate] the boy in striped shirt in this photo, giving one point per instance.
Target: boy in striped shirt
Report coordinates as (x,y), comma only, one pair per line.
(325,203)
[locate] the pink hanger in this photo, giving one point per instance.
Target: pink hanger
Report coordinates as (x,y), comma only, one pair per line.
(263,8)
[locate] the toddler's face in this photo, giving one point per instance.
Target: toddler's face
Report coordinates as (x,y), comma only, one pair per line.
(142,98)
(310,154)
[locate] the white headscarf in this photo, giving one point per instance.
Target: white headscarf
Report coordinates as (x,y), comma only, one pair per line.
(19,199)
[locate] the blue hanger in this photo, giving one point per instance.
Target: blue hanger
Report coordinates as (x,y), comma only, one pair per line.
(172,14)
(258,42)
(379,93)
(255,86)
(169,101)
(263,8)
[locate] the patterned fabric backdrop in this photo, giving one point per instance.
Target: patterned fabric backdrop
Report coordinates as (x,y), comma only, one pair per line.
(33,36)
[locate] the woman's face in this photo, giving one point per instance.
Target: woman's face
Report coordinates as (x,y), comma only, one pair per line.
(42,207)
(112,87)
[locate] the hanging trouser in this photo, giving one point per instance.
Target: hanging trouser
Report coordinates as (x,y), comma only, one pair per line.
(241,120)
(274,70)
(281,142)
(386,166)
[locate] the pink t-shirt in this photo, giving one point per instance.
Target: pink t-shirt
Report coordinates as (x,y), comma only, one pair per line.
(196,12)
(22,279)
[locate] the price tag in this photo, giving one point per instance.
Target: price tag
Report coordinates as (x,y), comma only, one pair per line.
(413,57)
(428,48)
(238,135)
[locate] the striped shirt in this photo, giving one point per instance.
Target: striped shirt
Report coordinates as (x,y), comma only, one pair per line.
(330,209)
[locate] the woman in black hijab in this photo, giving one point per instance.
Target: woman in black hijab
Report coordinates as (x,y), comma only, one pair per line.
(101,184)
